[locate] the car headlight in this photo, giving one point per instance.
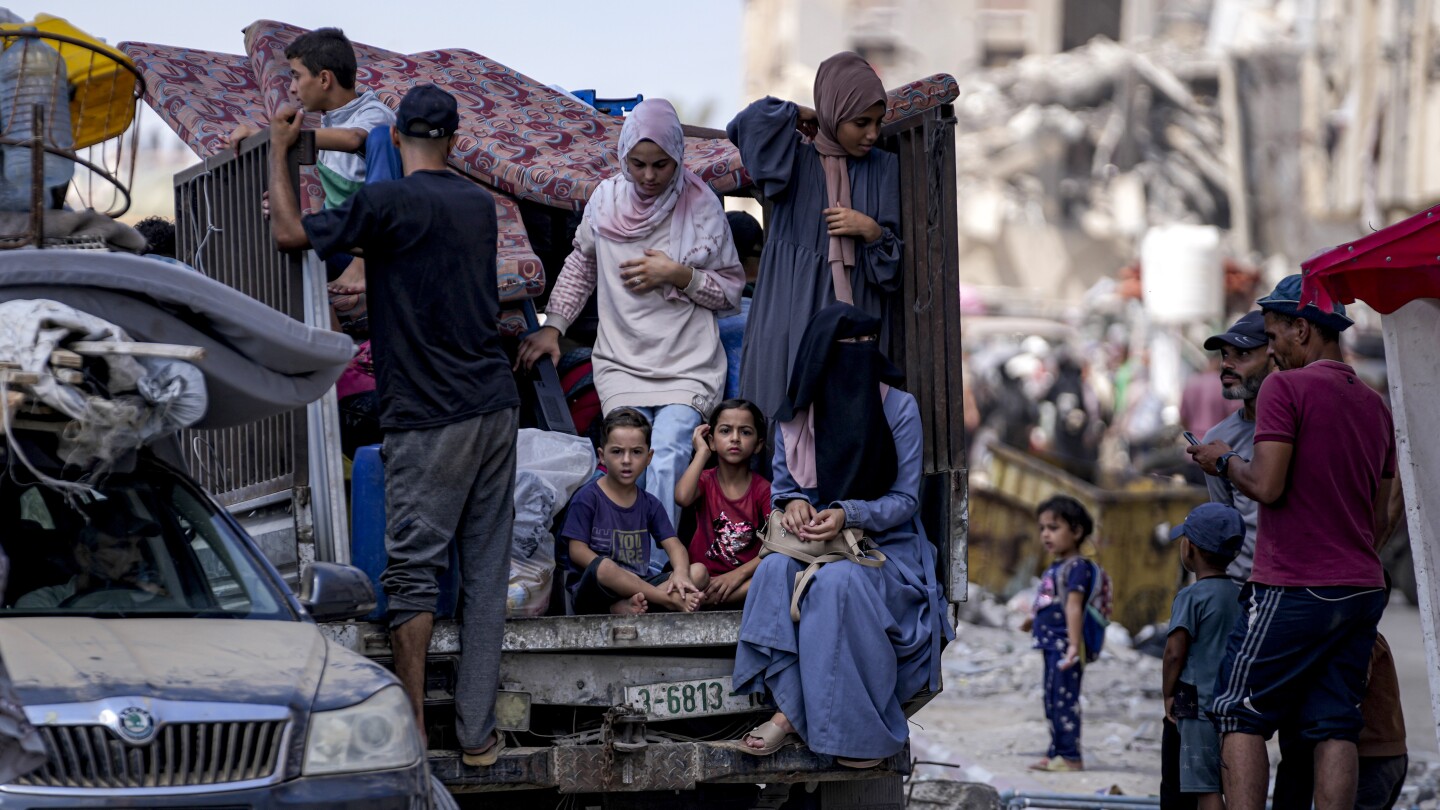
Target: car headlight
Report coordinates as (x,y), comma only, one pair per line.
(374,735)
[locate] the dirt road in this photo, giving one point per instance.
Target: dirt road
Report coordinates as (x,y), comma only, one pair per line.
(988,724)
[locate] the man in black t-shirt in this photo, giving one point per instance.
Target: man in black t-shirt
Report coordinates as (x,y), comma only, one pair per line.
(448,404)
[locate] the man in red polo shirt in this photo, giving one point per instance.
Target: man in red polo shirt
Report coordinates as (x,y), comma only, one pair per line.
(1322,471)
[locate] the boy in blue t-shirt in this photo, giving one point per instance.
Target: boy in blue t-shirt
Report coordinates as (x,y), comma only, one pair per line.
(611,525)
(1201,619)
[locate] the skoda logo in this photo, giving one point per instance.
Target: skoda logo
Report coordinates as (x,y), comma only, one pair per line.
(136,724)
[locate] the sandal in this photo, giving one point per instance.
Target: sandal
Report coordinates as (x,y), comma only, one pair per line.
(487,757)
(769,733)
(858,764)
(1058,765)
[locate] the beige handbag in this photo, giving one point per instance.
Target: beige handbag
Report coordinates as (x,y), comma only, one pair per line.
(850,544)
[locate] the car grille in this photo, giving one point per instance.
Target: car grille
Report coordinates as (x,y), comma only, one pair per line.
(180,755)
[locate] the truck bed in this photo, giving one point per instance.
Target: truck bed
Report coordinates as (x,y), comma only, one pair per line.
(575,670)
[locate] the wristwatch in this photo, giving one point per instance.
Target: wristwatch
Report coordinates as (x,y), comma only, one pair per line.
(1222,464)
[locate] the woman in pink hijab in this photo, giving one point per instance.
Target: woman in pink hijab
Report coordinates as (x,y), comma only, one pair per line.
(833,233)
(655,248)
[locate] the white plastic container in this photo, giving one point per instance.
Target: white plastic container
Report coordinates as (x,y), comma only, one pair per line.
(1182,274)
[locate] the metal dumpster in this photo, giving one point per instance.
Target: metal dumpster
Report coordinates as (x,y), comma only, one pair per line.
(1131,532)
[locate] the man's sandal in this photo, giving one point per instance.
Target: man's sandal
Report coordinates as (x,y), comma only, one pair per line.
(1058,765)
(769,733)
(487,757)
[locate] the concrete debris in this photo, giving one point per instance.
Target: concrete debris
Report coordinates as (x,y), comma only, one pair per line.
(944,794)
(983,609)
(1076,136)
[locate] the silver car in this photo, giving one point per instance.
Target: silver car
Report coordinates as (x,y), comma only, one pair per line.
(166,664)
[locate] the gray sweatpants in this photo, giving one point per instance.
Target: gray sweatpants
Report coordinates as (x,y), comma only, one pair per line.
(455,483)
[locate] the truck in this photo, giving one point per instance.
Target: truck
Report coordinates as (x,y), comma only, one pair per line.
(618,711)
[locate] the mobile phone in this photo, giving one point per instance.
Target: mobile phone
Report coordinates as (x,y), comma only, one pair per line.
(1190,437)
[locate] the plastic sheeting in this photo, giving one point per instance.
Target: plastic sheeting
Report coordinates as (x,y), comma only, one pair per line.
(549,468)
(143,397)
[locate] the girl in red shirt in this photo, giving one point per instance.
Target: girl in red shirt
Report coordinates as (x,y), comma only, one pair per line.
(731,501)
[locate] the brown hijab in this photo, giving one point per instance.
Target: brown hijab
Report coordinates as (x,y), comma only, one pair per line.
(845,87)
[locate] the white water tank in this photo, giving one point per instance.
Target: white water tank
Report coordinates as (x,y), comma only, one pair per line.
(1182,274)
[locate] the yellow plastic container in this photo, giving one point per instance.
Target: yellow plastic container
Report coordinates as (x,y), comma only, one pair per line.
(105,80)
(1143,566)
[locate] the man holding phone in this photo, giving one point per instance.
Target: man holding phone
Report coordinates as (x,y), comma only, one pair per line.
(1322,469)
(1244,363)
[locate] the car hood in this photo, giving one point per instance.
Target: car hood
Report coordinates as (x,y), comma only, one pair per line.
(70,660)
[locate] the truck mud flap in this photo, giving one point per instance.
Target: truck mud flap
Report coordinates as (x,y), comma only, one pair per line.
(659,766)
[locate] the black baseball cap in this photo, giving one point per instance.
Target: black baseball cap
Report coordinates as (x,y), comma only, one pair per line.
(1247,333)
(1214,527)
(427,112)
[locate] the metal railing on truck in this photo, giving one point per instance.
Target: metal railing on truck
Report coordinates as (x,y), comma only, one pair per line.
(290,461)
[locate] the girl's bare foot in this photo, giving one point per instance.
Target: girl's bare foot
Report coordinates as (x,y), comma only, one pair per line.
(779,719)
(633,606)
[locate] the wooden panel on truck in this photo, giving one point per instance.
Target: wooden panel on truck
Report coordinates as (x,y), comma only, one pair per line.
(924,339)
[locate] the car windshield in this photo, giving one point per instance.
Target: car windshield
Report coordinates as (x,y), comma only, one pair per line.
(142,545)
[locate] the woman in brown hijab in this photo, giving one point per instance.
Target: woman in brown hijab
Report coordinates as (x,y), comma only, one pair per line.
(834,225)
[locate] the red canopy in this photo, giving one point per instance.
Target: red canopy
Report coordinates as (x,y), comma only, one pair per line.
(1386,269)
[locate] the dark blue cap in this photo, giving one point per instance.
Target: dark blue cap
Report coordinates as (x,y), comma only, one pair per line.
(1285,299)
(427,112)
(1215,527)
(1247,333)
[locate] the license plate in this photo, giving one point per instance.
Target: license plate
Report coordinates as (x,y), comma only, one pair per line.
(668,701)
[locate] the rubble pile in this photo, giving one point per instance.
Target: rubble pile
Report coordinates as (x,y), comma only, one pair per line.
(1103,136)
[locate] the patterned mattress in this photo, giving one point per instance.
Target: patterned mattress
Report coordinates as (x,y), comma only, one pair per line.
(202,95)
(518,137)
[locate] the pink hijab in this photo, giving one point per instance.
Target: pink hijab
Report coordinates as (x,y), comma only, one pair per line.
(698,227)
(845,86)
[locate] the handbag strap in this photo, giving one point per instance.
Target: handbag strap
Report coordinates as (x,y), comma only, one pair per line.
(870,558)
